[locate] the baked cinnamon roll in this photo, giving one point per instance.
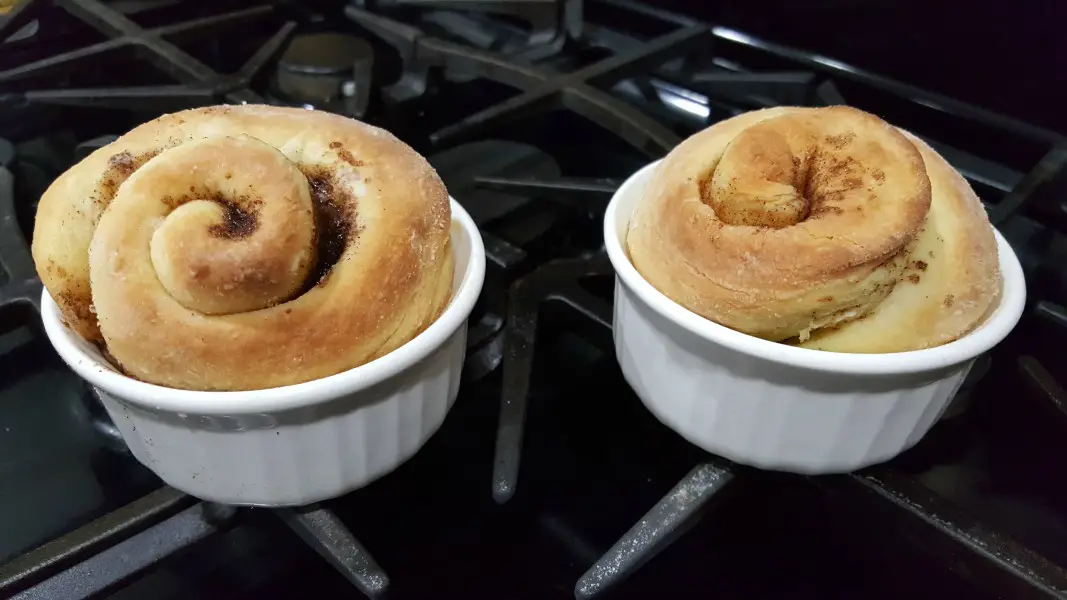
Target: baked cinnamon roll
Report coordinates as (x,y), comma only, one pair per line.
(824,227)
(247,247)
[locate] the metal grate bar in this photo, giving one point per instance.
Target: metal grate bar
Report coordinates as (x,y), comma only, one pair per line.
(549,19)
(582,194)
(822,64)
(656,530)
(581,97)
(989,559)
(165,55)
(322,530)
(267,52)
(1050,166)
(203,85)
(15,257)
(70,60)
(633,126)
(516,107)
(550,281)
(80,544)
(561,185)
(159,98)
(1044,386)
(790,87)
(641,60)
(21,14)
(129,557)
(544,89)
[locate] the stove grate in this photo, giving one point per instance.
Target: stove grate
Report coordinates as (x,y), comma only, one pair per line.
(942,528)
(668,74)
(200,84)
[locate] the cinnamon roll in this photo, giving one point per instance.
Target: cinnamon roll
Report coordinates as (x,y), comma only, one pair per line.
(247,247)
(824,227)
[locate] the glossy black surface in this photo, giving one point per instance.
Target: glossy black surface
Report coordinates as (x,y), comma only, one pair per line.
(535,177)
(58,471)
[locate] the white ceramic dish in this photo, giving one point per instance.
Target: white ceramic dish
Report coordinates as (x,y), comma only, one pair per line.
(775,406)
(302,443)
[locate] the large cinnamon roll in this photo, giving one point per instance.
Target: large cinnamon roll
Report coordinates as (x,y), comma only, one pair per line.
(826,227)
(247,247)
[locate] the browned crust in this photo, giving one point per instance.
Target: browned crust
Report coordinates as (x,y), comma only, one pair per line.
(853,243)
(952,277)
(393,277)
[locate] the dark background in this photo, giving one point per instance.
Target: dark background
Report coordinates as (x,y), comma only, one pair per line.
(1009,56)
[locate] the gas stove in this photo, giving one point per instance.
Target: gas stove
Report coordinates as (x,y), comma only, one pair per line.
(549,478)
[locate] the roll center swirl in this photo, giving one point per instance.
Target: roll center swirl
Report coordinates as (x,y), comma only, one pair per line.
(758,181)
(783,171)
(247,247)
(236,224)
(784,222)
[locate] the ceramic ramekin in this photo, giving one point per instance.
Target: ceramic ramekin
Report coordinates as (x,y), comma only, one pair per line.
(302,443)
(775,406)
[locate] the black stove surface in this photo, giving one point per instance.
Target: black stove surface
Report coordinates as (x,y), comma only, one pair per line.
(532,112)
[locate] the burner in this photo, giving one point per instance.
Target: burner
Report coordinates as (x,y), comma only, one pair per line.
(545,87)
(328,71)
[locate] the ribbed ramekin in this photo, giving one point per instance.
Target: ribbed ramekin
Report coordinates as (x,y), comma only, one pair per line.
(775,406)
(297,444)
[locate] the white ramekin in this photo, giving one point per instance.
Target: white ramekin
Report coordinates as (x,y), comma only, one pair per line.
(775,406)
(302,443)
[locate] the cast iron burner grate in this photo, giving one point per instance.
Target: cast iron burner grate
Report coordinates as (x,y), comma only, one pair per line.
(199,84)
(1016,570)
(129,540)
(647,93)
(996,561)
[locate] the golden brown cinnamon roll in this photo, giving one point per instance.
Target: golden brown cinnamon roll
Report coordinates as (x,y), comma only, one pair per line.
(825,227)
(247,247)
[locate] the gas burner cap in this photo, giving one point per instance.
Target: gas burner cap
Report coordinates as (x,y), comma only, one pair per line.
(328,70)
(324,53)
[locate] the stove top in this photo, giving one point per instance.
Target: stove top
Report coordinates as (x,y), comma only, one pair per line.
(549,478)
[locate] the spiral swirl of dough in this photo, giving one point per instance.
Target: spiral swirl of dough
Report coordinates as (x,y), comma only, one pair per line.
(247,247)
(824,227)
